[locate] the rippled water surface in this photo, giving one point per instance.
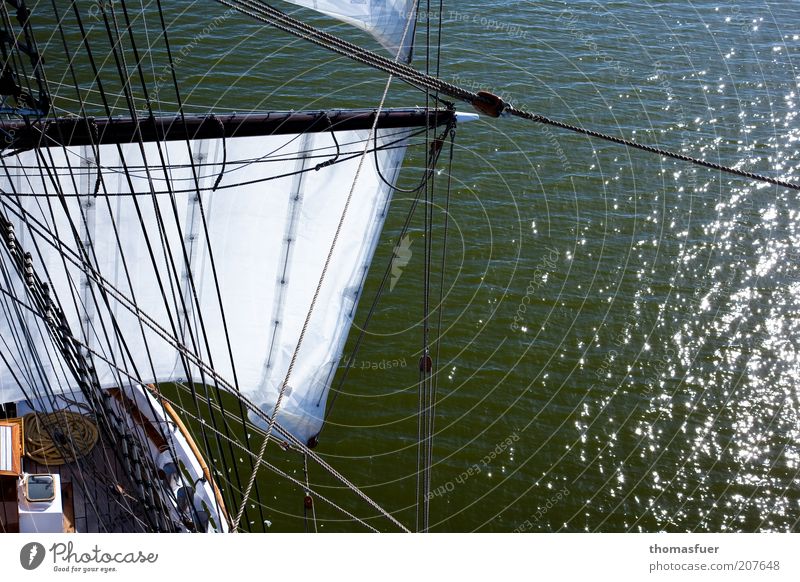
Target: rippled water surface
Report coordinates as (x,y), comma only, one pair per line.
(620,339)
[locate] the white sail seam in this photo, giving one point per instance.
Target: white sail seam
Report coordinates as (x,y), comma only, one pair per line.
(87,204)
(317,291)
(289,243)
(186,314)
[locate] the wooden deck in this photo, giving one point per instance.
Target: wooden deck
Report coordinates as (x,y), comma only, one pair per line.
(68,503)
(9,511)
(94,493)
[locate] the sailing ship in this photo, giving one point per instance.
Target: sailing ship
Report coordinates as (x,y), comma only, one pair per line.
(217,256)
(177,288)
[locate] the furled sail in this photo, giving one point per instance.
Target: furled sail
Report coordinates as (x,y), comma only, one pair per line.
(156,252)
(391,22)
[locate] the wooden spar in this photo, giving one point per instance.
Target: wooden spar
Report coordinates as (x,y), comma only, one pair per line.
(76,131)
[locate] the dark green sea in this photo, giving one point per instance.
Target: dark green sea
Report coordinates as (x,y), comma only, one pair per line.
(621,332)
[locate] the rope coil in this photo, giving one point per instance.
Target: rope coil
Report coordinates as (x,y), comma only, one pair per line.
(59,437)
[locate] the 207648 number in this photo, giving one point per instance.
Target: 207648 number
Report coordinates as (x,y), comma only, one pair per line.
(759,565)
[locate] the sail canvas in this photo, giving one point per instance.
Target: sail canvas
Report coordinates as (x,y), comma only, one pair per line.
(161,264)
(391,22)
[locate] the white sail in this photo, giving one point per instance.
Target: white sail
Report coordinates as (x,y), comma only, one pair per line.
(269,240)
(391,22)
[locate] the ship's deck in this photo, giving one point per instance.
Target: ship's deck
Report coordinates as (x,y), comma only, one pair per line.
(94,493)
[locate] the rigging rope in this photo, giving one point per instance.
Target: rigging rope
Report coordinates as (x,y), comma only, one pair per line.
(486,103)
(424,386)
(521,113)
(308,501)
(388,269)
(437,342)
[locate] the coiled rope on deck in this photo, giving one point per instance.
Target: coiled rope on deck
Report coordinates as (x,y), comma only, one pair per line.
(59,437)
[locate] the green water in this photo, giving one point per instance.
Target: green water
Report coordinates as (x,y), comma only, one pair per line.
(620,349)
